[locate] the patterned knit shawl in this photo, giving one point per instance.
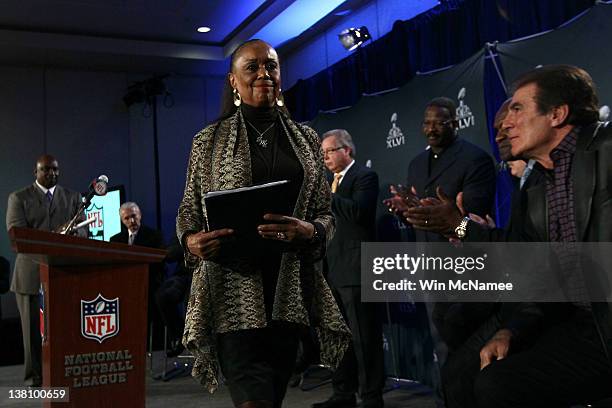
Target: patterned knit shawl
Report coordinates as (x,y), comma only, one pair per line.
(226,297)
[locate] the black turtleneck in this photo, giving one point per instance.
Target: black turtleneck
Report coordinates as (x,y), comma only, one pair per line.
(276,161)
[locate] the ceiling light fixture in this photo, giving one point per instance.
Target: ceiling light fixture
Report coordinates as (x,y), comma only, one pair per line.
(352,38)
(203,29)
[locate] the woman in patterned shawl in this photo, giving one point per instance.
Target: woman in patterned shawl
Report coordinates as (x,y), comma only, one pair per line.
(248,308)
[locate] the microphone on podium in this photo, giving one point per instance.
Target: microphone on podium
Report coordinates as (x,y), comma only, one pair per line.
(98,187)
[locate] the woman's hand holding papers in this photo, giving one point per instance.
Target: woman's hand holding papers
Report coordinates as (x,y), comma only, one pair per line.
(285,228)
(206,245)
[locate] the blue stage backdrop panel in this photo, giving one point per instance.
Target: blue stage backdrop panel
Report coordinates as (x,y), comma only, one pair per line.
(387,128)
(584,42)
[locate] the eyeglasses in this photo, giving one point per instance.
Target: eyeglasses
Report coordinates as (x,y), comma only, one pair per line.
(436,123)
(328,151)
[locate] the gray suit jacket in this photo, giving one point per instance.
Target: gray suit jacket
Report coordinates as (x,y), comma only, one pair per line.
(28,207)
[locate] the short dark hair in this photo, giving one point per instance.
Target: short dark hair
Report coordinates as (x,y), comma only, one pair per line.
(444,102)
(563,85)
(501,114)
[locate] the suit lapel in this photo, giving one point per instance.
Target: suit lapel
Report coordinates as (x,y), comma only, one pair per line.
(345,183)
(58,195)
(421,169)
(538,210)
(583,182)
(138,239)
(38,194)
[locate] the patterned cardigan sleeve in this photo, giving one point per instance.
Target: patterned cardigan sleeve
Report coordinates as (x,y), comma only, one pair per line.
(191,217)
(321,214)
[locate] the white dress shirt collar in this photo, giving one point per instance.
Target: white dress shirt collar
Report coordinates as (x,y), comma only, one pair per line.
(343,172)
(44,189)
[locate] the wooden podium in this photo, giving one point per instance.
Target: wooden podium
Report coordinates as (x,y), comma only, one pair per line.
(94,321)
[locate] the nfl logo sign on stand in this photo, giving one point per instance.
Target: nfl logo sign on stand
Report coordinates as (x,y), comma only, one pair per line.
(99,318)
(96,228)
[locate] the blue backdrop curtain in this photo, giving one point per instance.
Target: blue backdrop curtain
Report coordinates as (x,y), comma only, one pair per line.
(446,35)
(495,94)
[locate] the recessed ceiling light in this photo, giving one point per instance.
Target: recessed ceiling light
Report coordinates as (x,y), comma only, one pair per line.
(203,29)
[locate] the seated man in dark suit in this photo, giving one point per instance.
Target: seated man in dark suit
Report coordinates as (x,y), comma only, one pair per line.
(135,233)
(537,353)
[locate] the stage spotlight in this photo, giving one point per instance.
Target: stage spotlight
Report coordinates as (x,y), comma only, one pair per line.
(352,38)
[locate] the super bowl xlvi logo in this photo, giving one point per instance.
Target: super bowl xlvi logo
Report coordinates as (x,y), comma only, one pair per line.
(99,318)
(464,113)
(96,227)
(395,137)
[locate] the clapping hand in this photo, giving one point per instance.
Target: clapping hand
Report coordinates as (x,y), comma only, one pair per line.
(403,198)
(441,215)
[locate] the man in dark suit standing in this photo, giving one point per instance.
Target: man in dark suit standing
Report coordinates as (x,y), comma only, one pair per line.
(136,233)
(46,206)
(355,192)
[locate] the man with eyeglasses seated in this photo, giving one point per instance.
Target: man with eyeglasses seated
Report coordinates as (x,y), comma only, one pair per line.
(454,165)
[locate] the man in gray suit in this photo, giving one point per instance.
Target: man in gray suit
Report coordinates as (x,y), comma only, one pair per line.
(46,206)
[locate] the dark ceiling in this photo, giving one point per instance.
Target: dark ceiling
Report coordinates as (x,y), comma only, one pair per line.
(137,35)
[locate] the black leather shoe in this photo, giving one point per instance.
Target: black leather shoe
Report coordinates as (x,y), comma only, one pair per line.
(176,348)
(335,402)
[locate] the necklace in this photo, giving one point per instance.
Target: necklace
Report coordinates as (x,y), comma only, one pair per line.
(261,140)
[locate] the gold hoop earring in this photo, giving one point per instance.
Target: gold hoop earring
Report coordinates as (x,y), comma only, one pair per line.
(237,98)
(279,99)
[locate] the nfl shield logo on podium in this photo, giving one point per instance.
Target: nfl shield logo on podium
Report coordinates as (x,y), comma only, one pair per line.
(99,318)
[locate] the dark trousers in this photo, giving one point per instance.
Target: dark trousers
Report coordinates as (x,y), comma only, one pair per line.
(170,295)
(362,367)
(257,363)
(29,312)
(565,365)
